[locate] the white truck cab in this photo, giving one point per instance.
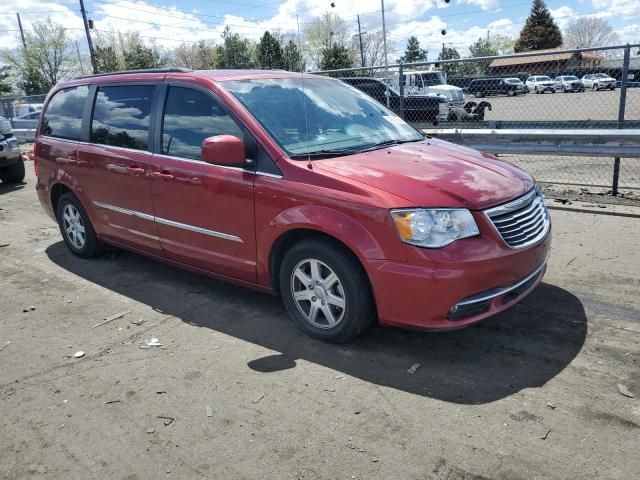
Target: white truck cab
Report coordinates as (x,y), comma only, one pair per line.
(430,82)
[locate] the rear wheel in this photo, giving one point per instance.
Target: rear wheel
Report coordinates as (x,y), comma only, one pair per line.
(326,291)
(13,173)
(76,228)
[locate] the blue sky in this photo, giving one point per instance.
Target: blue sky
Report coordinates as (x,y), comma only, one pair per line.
(167,23)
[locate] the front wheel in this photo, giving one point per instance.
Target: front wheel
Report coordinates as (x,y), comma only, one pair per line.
(594,88)
(326,291)
(76,228)
(13,173)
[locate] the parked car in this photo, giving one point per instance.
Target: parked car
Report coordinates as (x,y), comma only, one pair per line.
(568,83)
(28,121)
(425,109)
(300,186)
(540,84)
(517,81)
(481,87)
(11,163)
(432,108)
(599,81)
(25,108)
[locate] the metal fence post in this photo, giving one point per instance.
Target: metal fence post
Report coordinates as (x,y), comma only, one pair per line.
(621,109)
(401,89)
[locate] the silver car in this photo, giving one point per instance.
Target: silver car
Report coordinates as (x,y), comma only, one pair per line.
(28,121)
(599,81)
(568,83)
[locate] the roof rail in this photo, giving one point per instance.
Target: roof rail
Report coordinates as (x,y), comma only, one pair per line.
(144,70)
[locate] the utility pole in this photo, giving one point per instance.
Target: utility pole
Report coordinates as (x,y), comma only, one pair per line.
(24,43)
(360,38)
(384,40)
(86,29)
(442,51)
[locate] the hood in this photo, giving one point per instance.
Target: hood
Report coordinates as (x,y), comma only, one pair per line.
(434,173)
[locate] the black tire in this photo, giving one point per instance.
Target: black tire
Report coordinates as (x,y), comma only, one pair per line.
(359,309)
(92,246)
(511,93)
(13,173)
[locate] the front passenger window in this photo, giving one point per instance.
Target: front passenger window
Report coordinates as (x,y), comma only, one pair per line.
(190,116)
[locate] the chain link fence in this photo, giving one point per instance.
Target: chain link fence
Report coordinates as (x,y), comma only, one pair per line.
(567,90)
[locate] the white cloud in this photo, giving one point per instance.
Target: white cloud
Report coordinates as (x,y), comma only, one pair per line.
(563,16)
(618,8)
(484,4)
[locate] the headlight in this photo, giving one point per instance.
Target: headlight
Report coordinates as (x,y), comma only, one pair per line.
(434,228)
(443,107)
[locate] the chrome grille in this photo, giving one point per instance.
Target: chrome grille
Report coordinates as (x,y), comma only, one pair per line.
(523,221)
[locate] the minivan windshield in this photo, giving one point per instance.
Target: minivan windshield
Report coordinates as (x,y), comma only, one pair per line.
(320,117)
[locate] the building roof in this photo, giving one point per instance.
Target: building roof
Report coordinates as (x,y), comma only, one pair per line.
(554,57)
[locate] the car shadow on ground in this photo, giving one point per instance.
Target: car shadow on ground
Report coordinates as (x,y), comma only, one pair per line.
(11,187)
(524,347)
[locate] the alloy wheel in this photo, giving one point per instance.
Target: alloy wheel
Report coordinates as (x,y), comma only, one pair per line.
(73,226)
(318,293)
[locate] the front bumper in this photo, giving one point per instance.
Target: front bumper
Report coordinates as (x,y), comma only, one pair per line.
(482,276)
(9,152)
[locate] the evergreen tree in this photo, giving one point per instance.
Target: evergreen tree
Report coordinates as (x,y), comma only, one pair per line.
(235,51)
(106,59)
(540,32)
(334,57)
(292,58)
(5,84)
(413,52)
(449,54)
(481,48)
(269,52)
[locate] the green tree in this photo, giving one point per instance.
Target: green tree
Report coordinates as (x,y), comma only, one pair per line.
(449,53)
(292,58)
(323,32)
(196,56)
(106,59)
(269,52)
(235,51)
(413,52)
(480,48)
(540,32)
(502,44)
(335,57)
(49,57)
(138,56)
(5,84)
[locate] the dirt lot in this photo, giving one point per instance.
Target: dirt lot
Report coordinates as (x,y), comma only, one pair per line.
(530,394)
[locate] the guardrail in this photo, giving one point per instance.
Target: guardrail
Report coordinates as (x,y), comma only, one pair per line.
(589,142)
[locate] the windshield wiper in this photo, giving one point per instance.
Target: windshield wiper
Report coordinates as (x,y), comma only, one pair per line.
(325,153)
(388,143)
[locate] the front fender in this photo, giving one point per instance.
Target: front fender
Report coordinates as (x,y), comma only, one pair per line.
(367,231)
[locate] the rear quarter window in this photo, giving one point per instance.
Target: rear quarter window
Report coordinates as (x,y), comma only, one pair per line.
(63,117)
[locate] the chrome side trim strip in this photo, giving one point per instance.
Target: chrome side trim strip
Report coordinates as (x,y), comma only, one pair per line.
(171,223)
(203,231)
(501,291)
(270,175)
(124,211)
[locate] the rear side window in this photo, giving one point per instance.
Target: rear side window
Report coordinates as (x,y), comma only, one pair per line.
(190,116)
(122,115)
(63,118)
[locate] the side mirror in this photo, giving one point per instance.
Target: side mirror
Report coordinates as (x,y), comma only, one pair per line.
(224,150)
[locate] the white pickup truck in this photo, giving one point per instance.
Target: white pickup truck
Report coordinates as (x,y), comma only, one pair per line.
(11,164)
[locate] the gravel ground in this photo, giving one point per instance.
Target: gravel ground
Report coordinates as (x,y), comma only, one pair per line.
(588,105)
(532,393)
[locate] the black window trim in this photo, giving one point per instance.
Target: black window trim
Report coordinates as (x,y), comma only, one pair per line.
(90,107)
(163,93)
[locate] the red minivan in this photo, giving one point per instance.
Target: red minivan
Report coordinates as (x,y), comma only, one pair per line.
(294,184)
